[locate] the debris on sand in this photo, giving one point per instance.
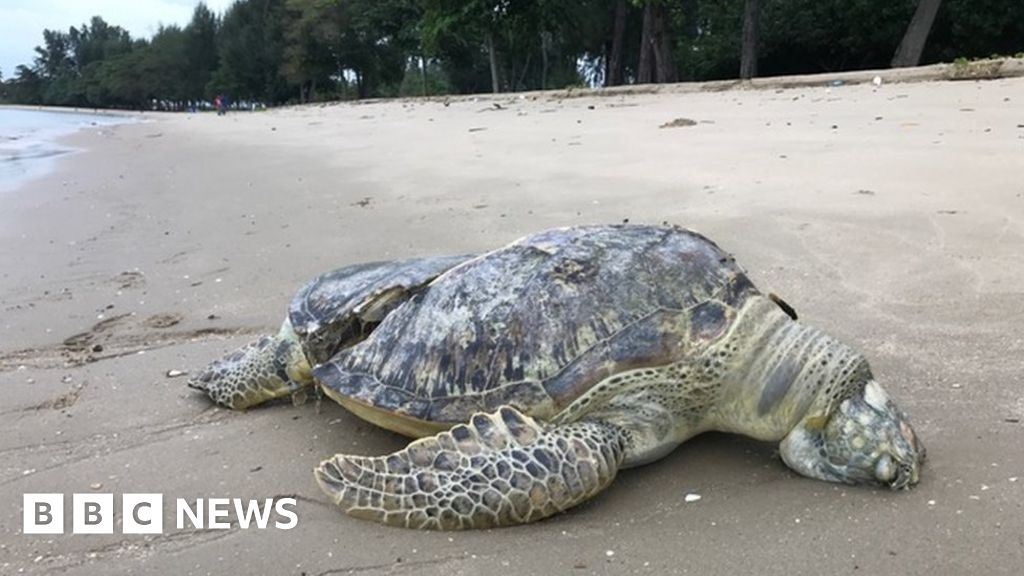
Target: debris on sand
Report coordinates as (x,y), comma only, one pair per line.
(175,373)
(691,497)
(679,123)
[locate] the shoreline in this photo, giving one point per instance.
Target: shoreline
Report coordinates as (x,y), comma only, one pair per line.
(996,68)
(71,110)
(32,148)
(890,217)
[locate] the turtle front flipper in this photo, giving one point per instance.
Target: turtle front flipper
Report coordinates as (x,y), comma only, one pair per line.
(267,368)
(500,469)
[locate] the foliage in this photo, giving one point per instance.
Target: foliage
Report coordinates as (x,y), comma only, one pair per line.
(251,52)
(278,51)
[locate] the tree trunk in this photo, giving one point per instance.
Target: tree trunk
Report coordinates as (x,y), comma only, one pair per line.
(545,46)
(521,83)
(605,61)
(423,74)
(644,68)
(751,32)
(910,49)
(664,67)
(614,76)
(493,57)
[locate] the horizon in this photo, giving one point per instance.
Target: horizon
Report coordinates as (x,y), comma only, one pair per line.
(25,20)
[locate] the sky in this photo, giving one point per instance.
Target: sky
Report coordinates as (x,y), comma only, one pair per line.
(22,21)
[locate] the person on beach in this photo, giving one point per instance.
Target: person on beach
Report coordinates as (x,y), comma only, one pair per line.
(218,102)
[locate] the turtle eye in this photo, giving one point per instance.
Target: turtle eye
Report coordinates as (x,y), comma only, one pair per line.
(904,476)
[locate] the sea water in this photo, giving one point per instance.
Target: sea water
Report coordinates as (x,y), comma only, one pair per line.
(28,140)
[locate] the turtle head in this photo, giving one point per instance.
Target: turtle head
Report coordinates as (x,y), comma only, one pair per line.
(267,368)
(865,440)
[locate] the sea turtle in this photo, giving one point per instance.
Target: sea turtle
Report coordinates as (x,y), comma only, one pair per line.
(533,373)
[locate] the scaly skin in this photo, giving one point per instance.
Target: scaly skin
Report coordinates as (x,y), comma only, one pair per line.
(819,397)
(267,368)
(775,370)
(499,469)
(769,377)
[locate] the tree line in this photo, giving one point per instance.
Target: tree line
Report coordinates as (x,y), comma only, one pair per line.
(285,51)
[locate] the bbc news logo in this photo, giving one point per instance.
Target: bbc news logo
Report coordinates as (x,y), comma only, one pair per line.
(144,513)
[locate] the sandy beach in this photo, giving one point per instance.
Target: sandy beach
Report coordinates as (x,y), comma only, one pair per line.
(892,217)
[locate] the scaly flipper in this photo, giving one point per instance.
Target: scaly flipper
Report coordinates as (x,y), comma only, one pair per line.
(500,469)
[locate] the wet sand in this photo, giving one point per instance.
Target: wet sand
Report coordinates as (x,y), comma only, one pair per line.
(891,217)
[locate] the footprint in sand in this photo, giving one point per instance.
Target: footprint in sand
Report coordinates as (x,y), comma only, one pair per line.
(129,279)
(163,320)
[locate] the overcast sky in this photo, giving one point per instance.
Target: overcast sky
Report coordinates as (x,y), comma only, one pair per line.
(22,21)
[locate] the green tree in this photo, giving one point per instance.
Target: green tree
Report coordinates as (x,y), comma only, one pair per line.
(976,28)
(200,51)
(96,41)
(278,51)
(378,42)
(529,44)
(313,44)
(251,52)
(463,33)
(122,80)
(26,87)
(166,67)
(53,58)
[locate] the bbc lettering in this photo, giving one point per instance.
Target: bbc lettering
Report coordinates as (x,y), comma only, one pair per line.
(143,513)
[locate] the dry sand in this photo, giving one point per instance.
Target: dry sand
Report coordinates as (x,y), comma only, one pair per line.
(891,217)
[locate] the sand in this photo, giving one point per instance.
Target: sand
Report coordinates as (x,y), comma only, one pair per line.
(891,217)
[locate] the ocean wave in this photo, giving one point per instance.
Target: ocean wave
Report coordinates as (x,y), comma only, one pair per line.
(29,141)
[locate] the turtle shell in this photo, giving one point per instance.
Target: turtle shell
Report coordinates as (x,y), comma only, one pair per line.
(535,324)
(341,307)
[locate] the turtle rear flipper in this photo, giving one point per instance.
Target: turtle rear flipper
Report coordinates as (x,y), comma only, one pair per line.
(500,469)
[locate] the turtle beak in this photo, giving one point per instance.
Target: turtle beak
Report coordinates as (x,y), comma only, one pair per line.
(197,382)
(908,471)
